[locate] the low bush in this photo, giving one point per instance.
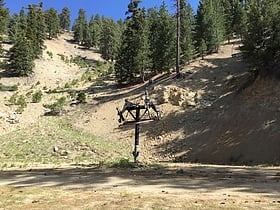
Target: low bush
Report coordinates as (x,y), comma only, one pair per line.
(57,107)
(37,97)
(8,87)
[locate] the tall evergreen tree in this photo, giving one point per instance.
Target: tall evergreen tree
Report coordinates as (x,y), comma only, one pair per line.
(129,63)
(80,27)
(108,40)
(162,39)
(13,28)
(210,24)
(187,27)
(88,36)
(144,52)
(35,32)
(234,17)
(4,17)
(52,23)
(262,37)
(22,22)
(17,26)
(40,31)
(21,59)
(96,26)
(64,19)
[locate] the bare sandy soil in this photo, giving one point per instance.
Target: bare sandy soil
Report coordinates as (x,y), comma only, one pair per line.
(181,186)
(227,125)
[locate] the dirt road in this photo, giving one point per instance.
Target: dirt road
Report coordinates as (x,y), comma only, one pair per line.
(176,186)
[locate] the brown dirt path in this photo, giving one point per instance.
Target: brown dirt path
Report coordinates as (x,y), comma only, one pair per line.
(174,186)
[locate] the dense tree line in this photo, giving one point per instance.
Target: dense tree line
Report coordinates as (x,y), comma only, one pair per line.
(27,32)
(144,43)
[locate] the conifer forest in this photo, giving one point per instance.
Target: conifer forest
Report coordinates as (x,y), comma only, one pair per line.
(145,42)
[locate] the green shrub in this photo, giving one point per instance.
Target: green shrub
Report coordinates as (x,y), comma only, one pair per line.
(79,61)
(13,98)
(73,95)
(67,85)
(74,82)
(29,93)
(86,76)
(37,97)
(21,102)
(62,57)
(81,97)
(50,54)
(122,163)
(8,87)
(57,106)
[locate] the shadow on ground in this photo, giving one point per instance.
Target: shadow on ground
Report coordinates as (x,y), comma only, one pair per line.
(228,127)
(203,178)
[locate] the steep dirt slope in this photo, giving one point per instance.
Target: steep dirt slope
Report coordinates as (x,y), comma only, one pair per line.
(231,125)
(50,72)
(227,125)
(222,124)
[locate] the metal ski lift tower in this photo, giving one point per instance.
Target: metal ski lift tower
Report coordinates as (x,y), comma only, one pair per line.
(134,110)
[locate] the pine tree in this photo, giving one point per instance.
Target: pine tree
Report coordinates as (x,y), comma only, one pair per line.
(162,39)
(97,24)
(80,27)
(254,36)
(153,23)
(261,39)
(129,62)
(210,24)
(40,31)
(52,23)
(144,52)
(187,27)
(234,18)
(21,58)
(108,39)
(4,17)
(64,19)
(35,32)
(88,37)
(17,26)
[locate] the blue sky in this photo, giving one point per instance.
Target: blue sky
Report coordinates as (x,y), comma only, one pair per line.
(109,8)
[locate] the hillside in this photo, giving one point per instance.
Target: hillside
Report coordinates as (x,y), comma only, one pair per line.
(218,121)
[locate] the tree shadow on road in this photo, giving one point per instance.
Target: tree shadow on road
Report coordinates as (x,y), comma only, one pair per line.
(202,178)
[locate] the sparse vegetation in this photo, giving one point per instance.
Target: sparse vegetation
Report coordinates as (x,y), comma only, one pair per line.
(8,87)
(64,58)
(87,76)
(49,53)
(74,82)
(18,100)
(56,107)
(122,163)
(59,142)
(79,61)
(81,97)
(37,97)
